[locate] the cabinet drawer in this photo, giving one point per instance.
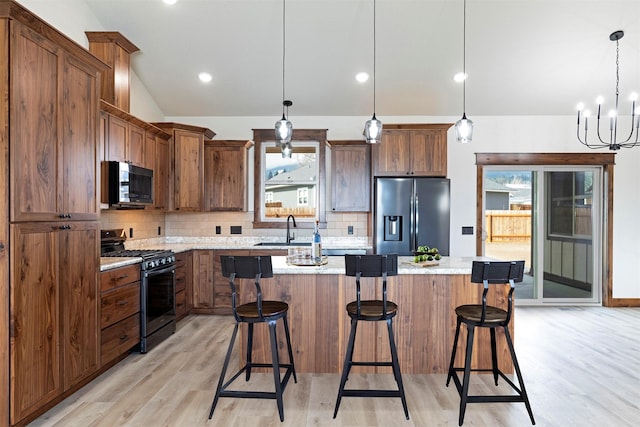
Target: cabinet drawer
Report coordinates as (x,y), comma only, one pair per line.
(181,259)
(119,303)
(119,276)
(119,338)
(181,279)
(181,304)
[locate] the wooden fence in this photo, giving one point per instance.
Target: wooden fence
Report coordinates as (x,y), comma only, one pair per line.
(507,226)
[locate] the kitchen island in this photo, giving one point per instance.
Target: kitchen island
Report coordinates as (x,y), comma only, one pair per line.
(424,326)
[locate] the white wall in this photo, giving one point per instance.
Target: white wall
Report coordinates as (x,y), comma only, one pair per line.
(492,134)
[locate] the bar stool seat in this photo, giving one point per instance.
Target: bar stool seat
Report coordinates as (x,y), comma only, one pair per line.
(487,316)
(360,266)
(259,311)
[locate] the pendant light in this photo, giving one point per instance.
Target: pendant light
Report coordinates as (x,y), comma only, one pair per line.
(284,128)
(464,126)
(373,128)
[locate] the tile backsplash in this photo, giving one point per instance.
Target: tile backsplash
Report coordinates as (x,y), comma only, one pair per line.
(145,223)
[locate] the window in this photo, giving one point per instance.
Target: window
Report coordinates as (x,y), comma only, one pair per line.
(286,186)
(569,203)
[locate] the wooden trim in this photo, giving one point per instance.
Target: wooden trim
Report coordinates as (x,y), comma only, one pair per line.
(606,160)
(540,159)
(111,37)
(417,126)
(267,135)
(170,126)
(5,324)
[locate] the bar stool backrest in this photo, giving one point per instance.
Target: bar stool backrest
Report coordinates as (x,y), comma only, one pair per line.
(371,266)
(246,267)
(497,272)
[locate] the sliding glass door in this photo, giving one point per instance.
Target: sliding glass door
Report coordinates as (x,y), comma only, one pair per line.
(551,217)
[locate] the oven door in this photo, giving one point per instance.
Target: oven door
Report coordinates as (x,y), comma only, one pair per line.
(158,299)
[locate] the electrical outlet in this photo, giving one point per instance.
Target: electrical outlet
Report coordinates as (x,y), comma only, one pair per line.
(350,229)
(467,230)
(218,229)
(159,231)
(236,229)
(131,232)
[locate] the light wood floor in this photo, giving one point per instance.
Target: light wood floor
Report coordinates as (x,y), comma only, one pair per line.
(581,368)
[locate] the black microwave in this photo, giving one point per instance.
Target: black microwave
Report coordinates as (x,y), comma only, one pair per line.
(127,186)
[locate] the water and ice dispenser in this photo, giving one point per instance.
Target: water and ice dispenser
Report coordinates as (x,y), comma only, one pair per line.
(392,227)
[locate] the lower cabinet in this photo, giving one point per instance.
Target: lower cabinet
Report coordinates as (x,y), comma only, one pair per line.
(184,283)
(203,295)
(54,311)
(119,311)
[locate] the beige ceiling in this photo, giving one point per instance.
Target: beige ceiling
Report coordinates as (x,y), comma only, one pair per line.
(524,57)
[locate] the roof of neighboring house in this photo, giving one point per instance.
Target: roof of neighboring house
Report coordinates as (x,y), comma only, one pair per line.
(305,173)
(490,185)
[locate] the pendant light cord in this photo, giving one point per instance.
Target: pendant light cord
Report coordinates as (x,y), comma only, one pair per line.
(464,58)
(374,58)
(284,47)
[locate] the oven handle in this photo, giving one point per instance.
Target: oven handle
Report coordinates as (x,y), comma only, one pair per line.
(148,273)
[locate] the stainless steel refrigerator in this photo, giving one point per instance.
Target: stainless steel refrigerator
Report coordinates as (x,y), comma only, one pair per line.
(411,212)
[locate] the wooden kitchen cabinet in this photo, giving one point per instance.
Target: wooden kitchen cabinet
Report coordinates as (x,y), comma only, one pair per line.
(54,311)
(350,176)
(119,312)
(52,128)
(203,289)
(161,174)
(125,142)
(225,175)
(184,284)
(411,150)
(187,150)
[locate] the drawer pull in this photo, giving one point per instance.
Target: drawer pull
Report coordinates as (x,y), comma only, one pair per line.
(122,303)
(124,337)
(122,277)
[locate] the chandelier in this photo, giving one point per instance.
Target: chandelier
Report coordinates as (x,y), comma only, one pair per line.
(284,128)
(612,141)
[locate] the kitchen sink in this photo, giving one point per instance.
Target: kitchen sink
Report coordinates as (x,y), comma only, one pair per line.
(283,244)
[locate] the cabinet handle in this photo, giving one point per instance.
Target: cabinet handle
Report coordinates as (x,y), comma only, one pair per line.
(122,303)
(122,277)
(1,246)
(64,216)
(65,227)
(124,337)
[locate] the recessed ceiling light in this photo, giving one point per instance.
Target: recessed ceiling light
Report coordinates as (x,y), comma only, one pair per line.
(362,77)
(170,1)
(460,77)
(205,77)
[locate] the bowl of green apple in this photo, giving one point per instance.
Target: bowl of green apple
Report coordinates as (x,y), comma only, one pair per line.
(426,253)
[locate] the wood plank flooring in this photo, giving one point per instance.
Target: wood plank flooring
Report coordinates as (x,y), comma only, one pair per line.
(581,367)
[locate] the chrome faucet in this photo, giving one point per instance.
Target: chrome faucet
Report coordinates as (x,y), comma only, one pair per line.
(290,236)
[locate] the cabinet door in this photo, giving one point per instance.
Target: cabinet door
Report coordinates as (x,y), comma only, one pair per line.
(224,180)
(189,177)
(35,329)
(117,134)
(392,156)
(135,145)
(34,131)
(203,295)
(429,153)
(79,266)
(80,146)
(149,152)
(350,178)
(161,174)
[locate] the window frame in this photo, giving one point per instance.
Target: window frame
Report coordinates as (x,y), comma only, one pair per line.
(267,136)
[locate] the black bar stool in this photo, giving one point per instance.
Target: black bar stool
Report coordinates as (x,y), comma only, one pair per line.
(371,311)
(259,311)
(486,316)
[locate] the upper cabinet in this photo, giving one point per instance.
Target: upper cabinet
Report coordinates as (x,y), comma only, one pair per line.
(225,175)
(411,150)
(52,111)
(350,176)
(187,149)
(114,49)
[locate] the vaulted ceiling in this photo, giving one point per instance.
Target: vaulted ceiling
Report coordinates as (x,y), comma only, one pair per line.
(523,57)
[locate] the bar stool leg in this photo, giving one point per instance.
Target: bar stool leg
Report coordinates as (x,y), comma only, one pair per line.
(453,351)
(396,367)
(494,356)
(467,373)
(288,337)
(516,366)
(249,350)
(276,367)
(348,358)
(224,370)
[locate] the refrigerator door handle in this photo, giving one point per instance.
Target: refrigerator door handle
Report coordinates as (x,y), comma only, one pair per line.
(416,223)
